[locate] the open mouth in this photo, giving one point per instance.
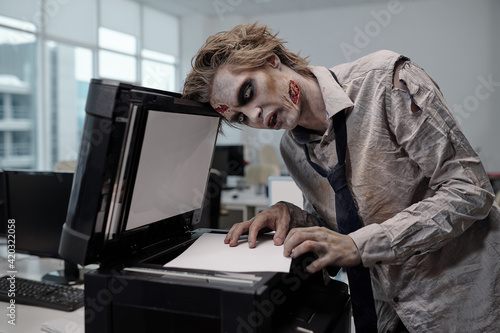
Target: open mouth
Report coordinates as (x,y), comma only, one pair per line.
(273,121)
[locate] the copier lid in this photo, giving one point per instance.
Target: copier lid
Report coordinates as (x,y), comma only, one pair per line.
(141,173)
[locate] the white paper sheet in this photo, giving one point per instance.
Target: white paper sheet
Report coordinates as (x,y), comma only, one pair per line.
(210,253)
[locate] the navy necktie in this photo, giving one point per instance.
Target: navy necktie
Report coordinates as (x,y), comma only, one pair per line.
(363,305)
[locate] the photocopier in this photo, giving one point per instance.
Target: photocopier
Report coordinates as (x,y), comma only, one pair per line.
(138,192)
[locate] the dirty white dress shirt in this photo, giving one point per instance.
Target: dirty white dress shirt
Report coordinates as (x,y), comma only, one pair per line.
(431,234)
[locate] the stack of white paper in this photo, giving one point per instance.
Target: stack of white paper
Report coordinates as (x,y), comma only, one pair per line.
(209,252)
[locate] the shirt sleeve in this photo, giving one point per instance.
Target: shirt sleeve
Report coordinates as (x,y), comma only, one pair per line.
(433,140)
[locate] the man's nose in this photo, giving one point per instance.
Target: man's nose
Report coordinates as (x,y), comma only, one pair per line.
(255,114)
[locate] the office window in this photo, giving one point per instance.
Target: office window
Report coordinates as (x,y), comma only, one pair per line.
(120,65)
(160,32)
(117,41)
(18,96)
(49,51)
(18,24)
(70,70)
(117,66)
(83,74)
(74,21)
(158,70)
(22,143)
(121,15)
(2,146)
(21,107)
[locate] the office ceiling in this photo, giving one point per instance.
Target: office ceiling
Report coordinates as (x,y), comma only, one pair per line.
(247,7)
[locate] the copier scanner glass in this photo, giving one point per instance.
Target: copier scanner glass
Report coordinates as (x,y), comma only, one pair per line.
(172,172)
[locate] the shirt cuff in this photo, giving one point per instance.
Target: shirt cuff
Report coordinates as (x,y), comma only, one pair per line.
(373,244)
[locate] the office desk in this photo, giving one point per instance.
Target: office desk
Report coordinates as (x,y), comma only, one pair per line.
(29,319)
(247,200)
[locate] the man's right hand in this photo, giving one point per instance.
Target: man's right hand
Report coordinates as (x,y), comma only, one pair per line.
(275,218)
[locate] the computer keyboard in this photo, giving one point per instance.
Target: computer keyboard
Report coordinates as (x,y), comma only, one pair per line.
(42,294)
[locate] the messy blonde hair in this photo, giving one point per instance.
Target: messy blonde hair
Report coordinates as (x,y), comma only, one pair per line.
(247,46)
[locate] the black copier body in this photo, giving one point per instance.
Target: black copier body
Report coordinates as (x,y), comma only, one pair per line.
(137,147)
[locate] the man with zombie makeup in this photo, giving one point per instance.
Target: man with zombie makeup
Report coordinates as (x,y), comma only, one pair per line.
(392,188)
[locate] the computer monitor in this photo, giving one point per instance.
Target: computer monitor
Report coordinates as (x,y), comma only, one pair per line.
(229,160)
(38,202)
(284,188)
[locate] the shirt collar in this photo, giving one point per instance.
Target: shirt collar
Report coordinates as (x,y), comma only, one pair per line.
(334,96)
(303,135)
(335,99)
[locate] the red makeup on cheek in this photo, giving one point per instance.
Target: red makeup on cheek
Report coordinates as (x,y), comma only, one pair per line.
(222,108)
(294,91)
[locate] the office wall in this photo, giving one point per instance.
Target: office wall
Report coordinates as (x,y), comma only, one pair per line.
(455,41)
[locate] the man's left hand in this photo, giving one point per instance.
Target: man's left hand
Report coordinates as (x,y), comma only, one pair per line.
(332,248)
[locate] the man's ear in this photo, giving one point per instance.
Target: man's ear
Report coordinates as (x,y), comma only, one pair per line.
(274,61)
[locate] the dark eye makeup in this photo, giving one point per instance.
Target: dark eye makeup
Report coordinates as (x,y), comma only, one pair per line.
(245,94)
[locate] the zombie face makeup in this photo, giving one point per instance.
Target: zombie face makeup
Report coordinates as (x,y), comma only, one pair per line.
(222,108)
(294,91)
(264,98)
